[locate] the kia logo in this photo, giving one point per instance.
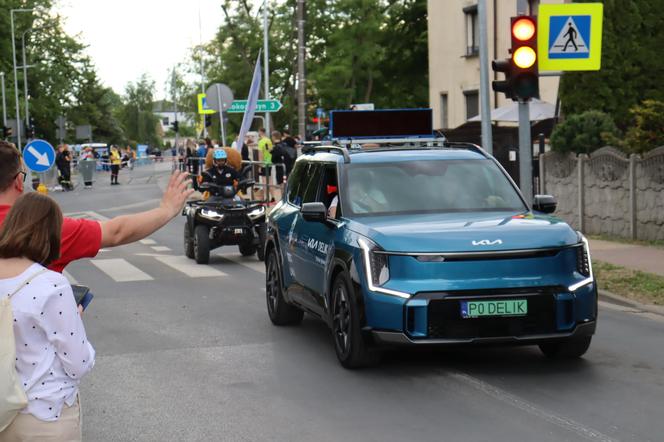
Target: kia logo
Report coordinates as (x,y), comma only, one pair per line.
(486,242)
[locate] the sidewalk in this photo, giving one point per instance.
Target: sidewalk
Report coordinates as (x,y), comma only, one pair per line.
(643,258)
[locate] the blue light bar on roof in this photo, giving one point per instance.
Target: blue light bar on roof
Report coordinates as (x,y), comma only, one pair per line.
(385,123)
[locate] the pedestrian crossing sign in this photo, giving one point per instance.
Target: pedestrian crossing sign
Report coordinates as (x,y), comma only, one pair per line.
(570,37)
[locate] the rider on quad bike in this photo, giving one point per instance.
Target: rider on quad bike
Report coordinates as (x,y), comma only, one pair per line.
(221,173)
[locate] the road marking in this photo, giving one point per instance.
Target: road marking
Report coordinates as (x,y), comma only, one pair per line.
(148,242)
(249,261)
(120,270)
(131,206)
(189,267)
(161,248)
(523,405)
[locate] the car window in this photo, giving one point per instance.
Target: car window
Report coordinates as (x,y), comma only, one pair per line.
(311,184)
(428,187)
(295,181)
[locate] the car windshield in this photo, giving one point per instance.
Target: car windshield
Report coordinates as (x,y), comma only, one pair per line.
(426,186)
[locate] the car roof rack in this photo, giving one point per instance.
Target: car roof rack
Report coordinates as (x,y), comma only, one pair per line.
(317,146)
(349,146)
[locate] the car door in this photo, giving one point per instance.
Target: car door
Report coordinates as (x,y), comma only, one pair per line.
(321,238)
(287,219)
(305,247)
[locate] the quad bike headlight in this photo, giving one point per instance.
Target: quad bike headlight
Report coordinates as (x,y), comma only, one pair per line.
(377,268)
(212,215)
(256,213)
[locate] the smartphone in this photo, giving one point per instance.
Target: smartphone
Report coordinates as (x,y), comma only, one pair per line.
(82,295)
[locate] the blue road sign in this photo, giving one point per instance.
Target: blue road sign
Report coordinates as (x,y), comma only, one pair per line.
(569,36)
(320,112)
(39,156)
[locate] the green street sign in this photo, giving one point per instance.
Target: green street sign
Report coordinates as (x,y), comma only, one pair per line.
(239,106)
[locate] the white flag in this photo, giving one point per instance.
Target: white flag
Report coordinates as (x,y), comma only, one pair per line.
(252,100)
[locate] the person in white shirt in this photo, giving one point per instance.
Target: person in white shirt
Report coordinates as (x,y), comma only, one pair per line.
(52,350)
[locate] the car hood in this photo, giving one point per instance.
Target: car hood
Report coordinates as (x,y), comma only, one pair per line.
(465,232)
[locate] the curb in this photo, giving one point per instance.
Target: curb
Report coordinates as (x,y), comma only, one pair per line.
(612,298)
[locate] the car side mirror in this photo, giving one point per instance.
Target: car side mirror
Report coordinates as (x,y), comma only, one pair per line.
(545,203)
(314,212)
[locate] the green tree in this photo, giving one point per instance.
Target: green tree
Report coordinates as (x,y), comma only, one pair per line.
(647,132)
(140,123)
(632,66)
(584,133)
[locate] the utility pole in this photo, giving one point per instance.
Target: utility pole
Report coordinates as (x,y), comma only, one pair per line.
(485,108)
(200,43)
(4,104)
(301,79)
(18,113)
(25,81)
(266,61)
(175,110)
(525,143)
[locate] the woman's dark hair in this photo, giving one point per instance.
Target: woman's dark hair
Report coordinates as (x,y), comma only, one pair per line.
(32,229)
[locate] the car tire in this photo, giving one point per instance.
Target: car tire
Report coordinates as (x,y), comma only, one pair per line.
(349,343)
(247,249)
(280,312)
(568,349)
(202,244)
(188,242)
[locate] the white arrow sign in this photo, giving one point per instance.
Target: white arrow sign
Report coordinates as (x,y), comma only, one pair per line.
(42,158)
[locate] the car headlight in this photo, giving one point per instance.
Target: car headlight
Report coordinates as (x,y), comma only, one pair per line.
(584,265)
(377,269)
(212,214)
(256,213)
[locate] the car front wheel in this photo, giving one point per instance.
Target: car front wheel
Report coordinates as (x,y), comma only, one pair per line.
(351,348)
(280,312)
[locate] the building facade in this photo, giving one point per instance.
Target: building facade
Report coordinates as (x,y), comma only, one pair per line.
(454,63)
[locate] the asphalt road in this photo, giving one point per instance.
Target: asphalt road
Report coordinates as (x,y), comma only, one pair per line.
(187,353)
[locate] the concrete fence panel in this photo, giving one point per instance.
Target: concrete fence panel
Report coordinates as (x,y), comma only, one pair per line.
(608,192)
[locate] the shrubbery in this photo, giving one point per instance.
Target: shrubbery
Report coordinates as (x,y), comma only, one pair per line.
(583,133)
(590,130)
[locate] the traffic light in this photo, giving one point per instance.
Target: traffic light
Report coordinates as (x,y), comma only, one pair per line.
(521,72)
(504,86)
(208,120)
(7,132)
(176,126)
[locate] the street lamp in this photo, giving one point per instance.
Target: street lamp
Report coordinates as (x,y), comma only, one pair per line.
(18,114)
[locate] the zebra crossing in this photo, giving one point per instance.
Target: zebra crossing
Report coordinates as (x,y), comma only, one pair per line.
(147,261)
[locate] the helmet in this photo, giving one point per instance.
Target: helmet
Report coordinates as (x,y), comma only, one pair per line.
(219,154)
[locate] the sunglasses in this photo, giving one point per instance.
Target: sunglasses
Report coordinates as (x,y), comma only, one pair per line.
(24,175)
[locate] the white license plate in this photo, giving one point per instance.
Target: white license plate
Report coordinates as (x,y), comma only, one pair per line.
(239,231)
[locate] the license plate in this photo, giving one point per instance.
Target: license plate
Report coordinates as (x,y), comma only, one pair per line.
(239,231)
(506,307)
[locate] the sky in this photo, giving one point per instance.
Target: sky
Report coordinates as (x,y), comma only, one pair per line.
(126,38)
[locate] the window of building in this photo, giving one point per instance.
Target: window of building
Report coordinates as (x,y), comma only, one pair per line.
(165,121)
(472,104)
(472,31)
(443,111)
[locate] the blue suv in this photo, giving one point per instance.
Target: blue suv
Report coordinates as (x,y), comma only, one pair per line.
(425,244)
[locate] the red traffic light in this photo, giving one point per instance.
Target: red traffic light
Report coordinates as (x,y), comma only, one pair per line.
(523,29)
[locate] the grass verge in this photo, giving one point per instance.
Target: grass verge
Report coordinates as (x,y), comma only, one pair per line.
(640,286)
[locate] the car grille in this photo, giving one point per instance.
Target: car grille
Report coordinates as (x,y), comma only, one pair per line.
(445,321)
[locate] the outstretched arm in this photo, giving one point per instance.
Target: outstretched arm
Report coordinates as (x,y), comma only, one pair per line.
(130,228)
